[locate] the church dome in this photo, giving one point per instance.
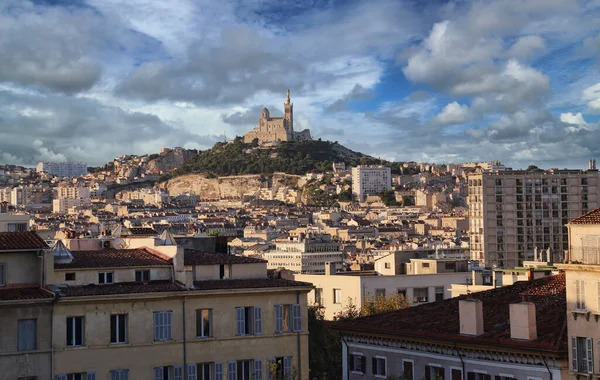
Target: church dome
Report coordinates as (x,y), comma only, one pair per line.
(264,114)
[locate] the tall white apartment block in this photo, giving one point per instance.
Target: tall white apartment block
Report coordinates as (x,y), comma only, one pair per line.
(63,169)
(72,192)
(370,180)
(515,214)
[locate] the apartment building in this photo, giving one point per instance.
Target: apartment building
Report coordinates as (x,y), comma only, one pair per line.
(582,269)
(62,205)
(484,336)
(72,192)
(13,222)
(513,213)
(370,180)
(305,254)
(160,312)
(62,169)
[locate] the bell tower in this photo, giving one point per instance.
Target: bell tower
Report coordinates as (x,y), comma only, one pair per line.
(288,118)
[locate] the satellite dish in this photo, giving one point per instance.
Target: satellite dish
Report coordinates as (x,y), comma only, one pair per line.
(119,243)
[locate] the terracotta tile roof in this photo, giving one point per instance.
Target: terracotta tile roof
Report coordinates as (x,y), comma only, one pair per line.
(249,284)
(193,257)
(114,258)
(440,320)
(591,217)
(142,231)
(15,241)
(121,288)
(15,294)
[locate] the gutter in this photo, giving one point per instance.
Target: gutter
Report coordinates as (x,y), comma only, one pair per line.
(185,371)
(462,361)
(546,364)
(299,352)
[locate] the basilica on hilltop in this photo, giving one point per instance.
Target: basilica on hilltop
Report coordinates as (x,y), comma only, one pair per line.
(275,129)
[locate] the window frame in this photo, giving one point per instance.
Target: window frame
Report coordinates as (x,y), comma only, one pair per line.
(74,332)
(163,328)
(337,296)
(118,317)
(362,358)
(375,369)
(19,335)
(104,276)
(142,272)
(201,324)
(73,274)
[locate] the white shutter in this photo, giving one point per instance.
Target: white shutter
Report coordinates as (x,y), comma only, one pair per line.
(240,327)
(168,333)
(258,369)
(177,372)
(574,353)
(278,318)
(583,305)
(297,321)
(218,371)
(158,373)
(231,370)
(61,377)
(90,376)
(257,320)
(191,372)
(287,367)
(590,355)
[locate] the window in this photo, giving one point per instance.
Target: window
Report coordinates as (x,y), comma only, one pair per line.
(27,334)
(70,276)
(425,265)
(201,371)
(142,275)
(402,292)
(168,373)
(288,318)
(582,358)
(17,227)
(248,320)
(162,325)
(218,371)
(434,373)
(379,293)
(579,294)
(203,323)
(118,328)
(456,374)
(119,374)
(478,376)
(279,368)
(407,369)
(388,265)
(244,370)
(439,293)
(319,296)
(337,295)
(358,363)
(2,274)
(77,376)
(420,294)
(379,366)
(105,277)
(75,331)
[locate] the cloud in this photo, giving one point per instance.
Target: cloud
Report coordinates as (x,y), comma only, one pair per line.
(527,47)
(358,93)
(592,96)
(575,121)
(454,113)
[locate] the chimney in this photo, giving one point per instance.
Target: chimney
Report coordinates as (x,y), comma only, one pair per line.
(3,207)
(522,321)
(470,316)
(330,269)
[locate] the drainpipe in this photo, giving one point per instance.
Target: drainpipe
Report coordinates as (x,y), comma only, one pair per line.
(185,373)
(462,361)
(298,342)
(546,364)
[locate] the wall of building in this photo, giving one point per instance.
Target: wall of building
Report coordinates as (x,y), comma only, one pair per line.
(22,268)
(90,276)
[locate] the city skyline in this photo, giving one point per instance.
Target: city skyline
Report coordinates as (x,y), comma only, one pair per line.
(438,82)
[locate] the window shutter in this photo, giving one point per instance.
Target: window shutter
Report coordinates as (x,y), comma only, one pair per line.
(257,320)
(177,372)
(278,318)
(231,370)
(239,321)
(257,369)
(374,366)
(158,373)
(90,376)
(156,328)
(363,364)
(191,372)
(427,372)
(574,353)
(218,371)
(168,330)
(297,323)
(271,366)
(590,355)
(61,377)
(351,362)
(583,306)
(471,376)
(287,367)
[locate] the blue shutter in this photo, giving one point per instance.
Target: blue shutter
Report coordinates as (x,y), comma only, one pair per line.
(156,328)
(231,370)
(61,377)
(258,369)
(287,367)
(297,322)
(177,372)
(158,373)
(218,371)
(168,335)
(257,320)
(191,372)
(90,376)
(278,318)
(240,326)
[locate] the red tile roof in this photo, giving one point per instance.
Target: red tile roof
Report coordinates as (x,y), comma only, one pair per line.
(193,257)
(591,217)
(18,241)
(440,320)
(114,258)
(142,231)
(249,284)
(121,288)
(15,294)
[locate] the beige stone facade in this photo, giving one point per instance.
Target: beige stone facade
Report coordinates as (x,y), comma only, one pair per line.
(276,129)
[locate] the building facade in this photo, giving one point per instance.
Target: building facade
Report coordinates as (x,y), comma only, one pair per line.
(513,213)
(305,254)
(62,169)
(370,180)
(276,129)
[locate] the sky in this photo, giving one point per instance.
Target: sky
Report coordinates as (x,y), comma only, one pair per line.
(430,81)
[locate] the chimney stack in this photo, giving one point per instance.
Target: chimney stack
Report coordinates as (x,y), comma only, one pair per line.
(522,321)
(470,316)
(330,269)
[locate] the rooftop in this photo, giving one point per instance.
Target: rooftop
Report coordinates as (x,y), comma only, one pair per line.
(193,257)
(440,320)
(591,217)
(20,241)
(15,294)
(114,258)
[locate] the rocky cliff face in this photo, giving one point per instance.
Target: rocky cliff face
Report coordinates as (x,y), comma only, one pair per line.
(171,159)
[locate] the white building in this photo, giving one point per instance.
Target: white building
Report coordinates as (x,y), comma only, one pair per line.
(305,255)
(72,192)
(62,205)
(370,180)
(63,169)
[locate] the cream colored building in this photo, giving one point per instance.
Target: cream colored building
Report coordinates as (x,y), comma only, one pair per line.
(276,129)
(62,205)
(513,212)
(13,222)
(152,311)
(72,192)
(305,254)
(370,180)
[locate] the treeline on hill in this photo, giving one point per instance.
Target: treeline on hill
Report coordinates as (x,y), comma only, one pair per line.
(237,158)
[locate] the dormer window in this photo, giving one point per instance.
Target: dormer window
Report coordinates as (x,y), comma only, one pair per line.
(105,277)
(142,275)
(70,276)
